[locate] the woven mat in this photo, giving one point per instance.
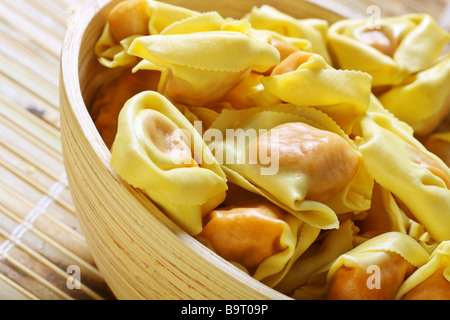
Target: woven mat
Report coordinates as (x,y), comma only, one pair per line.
(43,254)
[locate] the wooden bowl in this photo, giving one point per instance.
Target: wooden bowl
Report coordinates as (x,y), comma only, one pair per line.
(141,253)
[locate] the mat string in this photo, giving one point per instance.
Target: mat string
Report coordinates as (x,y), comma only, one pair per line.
(41,207)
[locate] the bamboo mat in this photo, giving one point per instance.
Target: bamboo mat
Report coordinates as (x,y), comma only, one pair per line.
(42,249)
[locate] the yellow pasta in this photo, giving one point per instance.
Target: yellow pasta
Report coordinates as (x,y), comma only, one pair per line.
(200,68)
(344,95)
(275,174)
(112,96)
(259,237)
(432,280)
(314,157)
(439,144)
(307,279)
(398,47)
(313,30)
(129,20)
(185,181)
(423,100)
(418,178)
(376,268)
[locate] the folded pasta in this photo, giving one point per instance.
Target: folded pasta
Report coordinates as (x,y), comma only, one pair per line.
(158,150)
(375,269)
(384,215)
(110,99)
(309,81)
(258,237)
(125,22)
(418,179)
(200,68)
(423,99)
(307,279)
(432,280)
(289,147)
(130,20)
(391,51)
(297,157)
(267,17)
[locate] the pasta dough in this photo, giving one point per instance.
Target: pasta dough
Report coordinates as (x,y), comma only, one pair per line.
(112,96)
(423,100)
(343,95)
(432,280)
(186,182)
(196,81)
(280,181)
(259,237)
(398,162)
(289,147)
(390,258)
(413,43)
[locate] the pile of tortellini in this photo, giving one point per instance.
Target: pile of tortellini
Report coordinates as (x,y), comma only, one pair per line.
(348,127)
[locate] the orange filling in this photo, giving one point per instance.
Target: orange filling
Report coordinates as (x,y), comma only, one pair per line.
(439,148)
(435,287)
(284,48)
(328,161)
(128,18)
(291,63)
(169,139)
(246,234)
(430,164)
(353,283)
(378,39)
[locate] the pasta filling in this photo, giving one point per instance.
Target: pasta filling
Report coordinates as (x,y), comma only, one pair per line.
(246,234)
(429,164)
(350,283)
(435,287)
(129,18)
(378,39)
(327,160)
(168,139)
(291,63)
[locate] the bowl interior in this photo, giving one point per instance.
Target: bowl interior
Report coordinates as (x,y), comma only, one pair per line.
(132,241)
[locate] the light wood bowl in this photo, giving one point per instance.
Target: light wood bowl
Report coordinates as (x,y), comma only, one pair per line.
(140,252)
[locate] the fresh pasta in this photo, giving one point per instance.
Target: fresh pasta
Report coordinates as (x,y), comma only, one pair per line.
(155,136)
(312,156)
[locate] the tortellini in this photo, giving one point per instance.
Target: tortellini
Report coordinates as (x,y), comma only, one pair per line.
(400,46)
(418,178)
(403,55)
(198,82)
(129,20)
(313,30)
(423,100)
(259,237)
(159,141)
(306,280)
(110,99)
(342,94)
(432,280)
(303,153)
(389,258)
(297,157)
